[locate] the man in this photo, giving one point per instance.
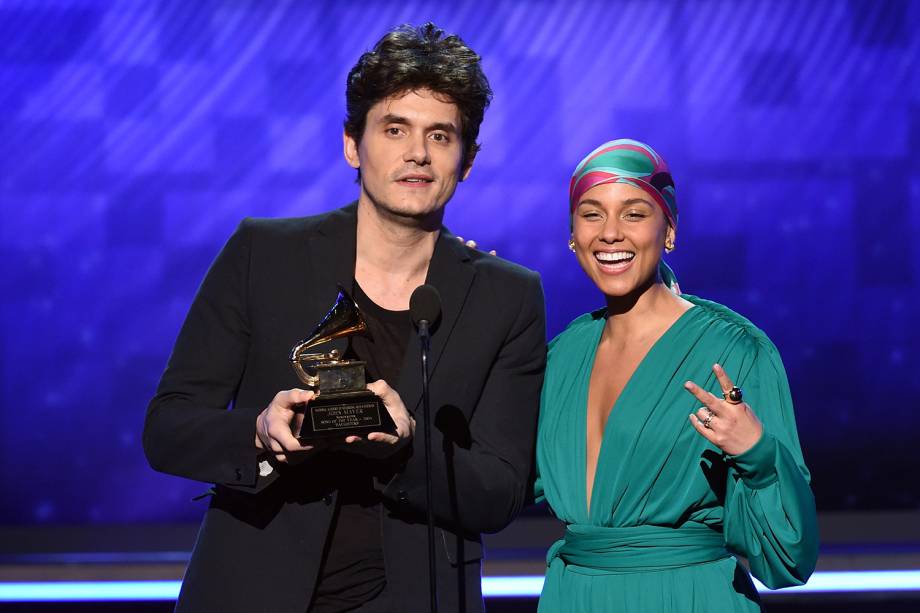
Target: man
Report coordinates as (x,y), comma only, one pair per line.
(293,528)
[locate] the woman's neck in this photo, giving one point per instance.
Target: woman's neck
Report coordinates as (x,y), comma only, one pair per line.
(648,311)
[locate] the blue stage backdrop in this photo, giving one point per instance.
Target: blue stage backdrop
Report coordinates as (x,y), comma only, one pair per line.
(135,135)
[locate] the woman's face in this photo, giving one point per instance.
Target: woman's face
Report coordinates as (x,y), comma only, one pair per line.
(619,234)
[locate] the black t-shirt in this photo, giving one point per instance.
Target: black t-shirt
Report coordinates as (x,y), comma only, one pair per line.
(353,570)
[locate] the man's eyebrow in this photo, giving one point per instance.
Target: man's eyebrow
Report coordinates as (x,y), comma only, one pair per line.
(391,118)
(444,126)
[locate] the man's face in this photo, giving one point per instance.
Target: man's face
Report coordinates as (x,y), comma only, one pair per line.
(410,155)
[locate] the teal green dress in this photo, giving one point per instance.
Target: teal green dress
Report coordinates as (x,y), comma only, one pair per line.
(668,508)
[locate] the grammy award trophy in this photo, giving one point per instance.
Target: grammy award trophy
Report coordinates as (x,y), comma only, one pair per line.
(343,406)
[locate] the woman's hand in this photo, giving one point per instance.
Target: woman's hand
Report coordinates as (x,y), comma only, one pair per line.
(381,444)
(731,427)
(472,244)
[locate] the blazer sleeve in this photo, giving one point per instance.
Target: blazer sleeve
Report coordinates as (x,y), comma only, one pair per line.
(769,506)
(485,486)
(189,430)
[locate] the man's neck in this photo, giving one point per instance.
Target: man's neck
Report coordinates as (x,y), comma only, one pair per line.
(392,258)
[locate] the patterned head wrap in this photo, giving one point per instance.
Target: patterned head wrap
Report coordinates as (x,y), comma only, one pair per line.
(626,161)
(629,161)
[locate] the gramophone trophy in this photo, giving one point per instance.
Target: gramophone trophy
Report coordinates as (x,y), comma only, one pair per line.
(343,406)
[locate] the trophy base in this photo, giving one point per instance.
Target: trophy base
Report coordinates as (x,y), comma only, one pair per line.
(337,415)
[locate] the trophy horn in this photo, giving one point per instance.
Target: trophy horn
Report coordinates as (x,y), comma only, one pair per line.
(343,319)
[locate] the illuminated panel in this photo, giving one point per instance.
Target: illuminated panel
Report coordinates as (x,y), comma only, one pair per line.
(851,581)
(492,587)
(53,591)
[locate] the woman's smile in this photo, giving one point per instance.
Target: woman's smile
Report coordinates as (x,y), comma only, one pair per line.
(614,262)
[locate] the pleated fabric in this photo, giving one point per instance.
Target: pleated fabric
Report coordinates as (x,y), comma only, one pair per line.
(668,508)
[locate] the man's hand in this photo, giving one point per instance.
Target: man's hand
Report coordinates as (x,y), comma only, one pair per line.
(274,424)
(382,444)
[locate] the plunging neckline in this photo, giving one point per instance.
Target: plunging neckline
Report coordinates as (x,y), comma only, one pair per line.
(611,415)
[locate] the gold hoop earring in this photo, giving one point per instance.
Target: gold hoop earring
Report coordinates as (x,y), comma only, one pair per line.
(572,245)
(668,246)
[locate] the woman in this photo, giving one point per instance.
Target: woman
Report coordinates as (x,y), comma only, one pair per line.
(654,500)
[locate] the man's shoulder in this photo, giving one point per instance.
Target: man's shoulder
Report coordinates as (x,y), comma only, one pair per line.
(285,227)
(277,226)
(493,266)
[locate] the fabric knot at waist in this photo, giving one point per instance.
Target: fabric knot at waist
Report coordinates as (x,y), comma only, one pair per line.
(637,548)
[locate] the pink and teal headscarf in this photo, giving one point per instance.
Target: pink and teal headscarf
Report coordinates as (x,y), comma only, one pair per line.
(629,161)
(626,161)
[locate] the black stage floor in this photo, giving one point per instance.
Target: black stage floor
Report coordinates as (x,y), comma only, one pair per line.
(880,541)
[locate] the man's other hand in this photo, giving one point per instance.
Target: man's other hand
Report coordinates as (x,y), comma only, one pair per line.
(382,444)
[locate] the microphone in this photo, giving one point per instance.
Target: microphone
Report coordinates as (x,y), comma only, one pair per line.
(425,308)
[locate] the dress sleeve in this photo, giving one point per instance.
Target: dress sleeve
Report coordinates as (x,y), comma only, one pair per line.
(769,506)
(538,494)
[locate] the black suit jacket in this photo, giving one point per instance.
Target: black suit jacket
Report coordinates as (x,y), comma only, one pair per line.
(261,541)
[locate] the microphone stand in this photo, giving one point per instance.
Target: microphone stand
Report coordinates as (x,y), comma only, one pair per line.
(425,339)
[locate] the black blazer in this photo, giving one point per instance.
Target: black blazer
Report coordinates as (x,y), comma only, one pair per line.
(261,541)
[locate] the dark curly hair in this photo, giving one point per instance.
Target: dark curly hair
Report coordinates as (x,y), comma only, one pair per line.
(409,58)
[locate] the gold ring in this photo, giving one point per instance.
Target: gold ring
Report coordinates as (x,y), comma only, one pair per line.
(733,396)
(707,423)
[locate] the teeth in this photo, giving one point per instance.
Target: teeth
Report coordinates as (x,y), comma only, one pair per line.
(618,256)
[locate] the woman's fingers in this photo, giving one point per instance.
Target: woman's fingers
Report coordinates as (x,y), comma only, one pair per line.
(705,398)
(705,413)
(732,427)
(725,381)
(472,244)
(703,430)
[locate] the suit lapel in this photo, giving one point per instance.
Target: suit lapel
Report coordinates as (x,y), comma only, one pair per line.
(332,255)
(451,273)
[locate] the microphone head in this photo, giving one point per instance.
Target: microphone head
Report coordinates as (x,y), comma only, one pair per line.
(425,304)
